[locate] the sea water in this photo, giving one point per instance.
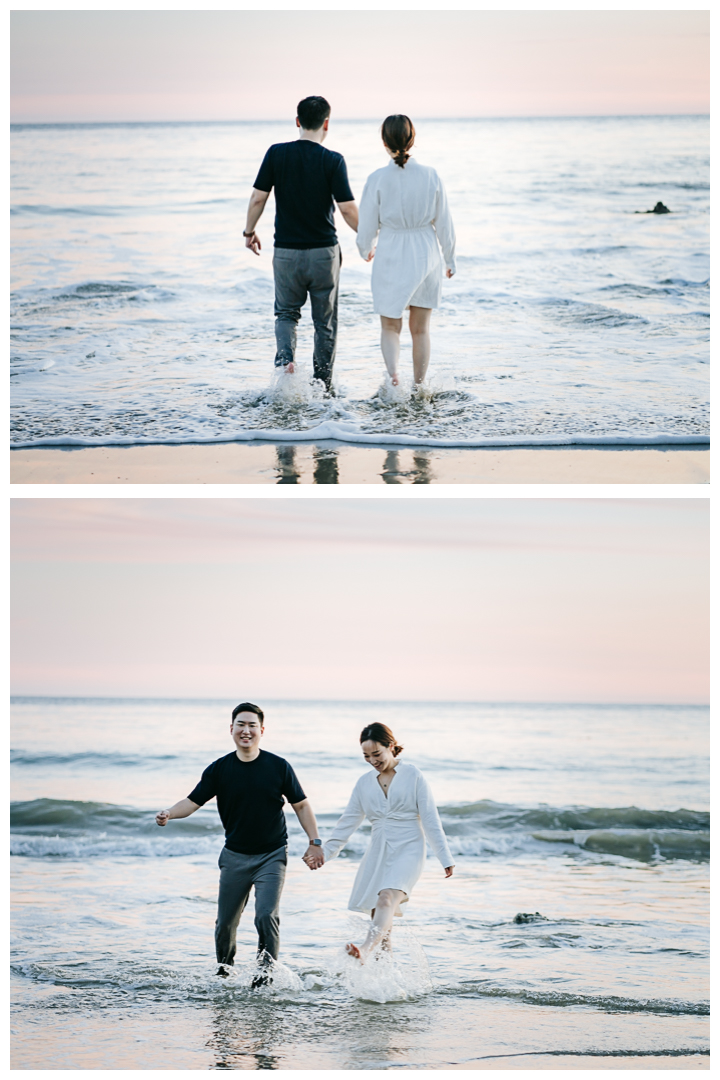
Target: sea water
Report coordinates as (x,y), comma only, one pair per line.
(138,314)
(576,920)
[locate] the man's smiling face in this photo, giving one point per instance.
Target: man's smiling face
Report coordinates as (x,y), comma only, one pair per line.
(246,731)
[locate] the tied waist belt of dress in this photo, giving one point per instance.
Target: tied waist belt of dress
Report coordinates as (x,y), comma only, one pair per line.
(406,228)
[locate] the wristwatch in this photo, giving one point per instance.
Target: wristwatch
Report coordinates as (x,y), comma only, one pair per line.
(316,843)
(249,233)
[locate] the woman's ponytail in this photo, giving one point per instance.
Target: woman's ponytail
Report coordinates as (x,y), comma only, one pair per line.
(398,134)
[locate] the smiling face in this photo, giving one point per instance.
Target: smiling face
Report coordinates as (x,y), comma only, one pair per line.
(247,730)
(380,757)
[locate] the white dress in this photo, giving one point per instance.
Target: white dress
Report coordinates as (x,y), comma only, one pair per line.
(408,208)
(396,853)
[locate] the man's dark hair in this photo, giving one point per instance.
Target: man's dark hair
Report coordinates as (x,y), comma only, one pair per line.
(247,706)
(313,112)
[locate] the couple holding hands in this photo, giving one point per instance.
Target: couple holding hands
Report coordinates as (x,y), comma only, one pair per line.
(251,786)
(403,207)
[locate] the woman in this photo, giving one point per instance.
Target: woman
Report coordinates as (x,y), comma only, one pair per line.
(406,204)
(395,797)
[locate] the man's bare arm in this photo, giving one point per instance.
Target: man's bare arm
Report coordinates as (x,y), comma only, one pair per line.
(254,212)
(184,808)
(313,857)
(349,211)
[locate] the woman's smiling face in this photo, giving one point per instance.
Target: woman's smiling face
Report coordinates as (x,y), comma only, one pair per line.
(379,756)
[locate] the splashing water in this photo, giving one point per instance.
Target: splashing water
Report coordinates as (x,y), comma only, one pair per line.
(295,388)
(398,975)
(282,979)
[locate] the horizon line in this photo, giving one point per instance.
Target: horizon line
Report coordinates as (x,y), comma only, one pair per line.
(366,701)
(361,120)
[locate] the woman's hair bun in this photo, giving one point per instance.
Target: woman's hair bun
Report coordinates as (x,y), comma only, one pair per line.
(382,734)
(398,134)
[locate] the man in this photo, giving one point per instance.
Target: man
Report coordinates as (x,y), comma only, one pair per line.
(307,178)
(250,784)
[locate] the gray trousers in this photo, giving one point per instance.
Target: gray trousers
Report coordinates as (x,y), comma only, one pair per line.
(238,873)
(315,271)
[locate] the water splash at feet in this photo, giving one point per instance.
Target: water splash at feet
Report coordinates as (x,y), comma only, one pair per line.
(398,975)
(295,388)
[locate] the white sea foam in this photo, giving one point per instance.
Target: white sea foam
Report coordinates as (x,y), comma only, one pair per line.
(332,431)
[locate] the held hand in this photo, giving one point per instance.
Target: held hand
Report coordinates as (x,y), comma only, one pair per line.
(449,273)
(313,857)
(371,256)
(253,242)
(162,818)
(449,871)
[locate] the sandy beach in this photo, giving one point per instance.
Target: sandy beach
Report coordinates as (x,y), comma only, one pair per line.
(341,463)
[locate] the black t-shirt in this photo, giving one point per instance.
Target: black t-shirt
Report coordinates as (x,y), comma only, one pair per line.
(306,178)
(250,799)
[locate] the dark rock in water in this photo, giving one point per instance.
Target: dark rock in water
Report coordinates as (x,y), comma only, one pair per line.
(658,208)
(528,916)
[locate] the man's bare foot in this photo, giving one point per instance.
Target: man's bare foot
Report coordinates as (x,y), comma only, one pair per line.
(290,369)
(352,950)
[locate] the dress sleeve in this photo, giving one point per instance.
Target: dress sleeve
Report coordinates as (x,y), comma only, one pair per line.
(432,824)
(346,826)
(368,219)
(444,226)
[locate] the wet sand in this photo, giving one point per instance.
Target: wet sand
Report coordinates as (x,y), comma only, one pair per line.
(342,463)
(584,1061)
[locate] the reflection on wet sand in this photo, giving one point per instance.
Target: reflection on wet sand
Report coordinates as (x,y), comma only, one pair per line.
(344,463)
(243,1037)
(297,1034)
(287,472)
(289,469)
(322,465)
(326,466)
(420,473)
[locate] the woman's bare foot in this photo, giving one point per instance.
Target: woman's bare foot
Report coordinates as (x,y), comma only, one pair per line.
(394,379)
(352,950)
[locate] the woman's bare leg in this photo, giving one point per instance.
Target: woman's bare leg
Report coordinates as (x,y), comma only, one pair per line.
(390,345)
(420,331)
(381,925)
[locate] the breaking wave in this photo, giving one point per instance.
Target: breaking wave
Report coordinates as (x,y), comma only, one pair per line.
(71,829)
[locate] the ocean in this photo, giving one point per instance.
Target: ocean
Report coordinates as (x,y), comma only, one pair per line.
(576,920)
(138,316)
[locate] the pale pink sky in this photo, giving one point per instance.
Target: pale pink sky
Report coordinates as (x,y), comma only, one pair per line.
(227,65)
(442,599)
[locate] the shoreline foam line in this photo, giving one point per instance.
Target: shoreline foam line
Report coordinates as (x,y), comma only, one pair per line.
(332,431)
